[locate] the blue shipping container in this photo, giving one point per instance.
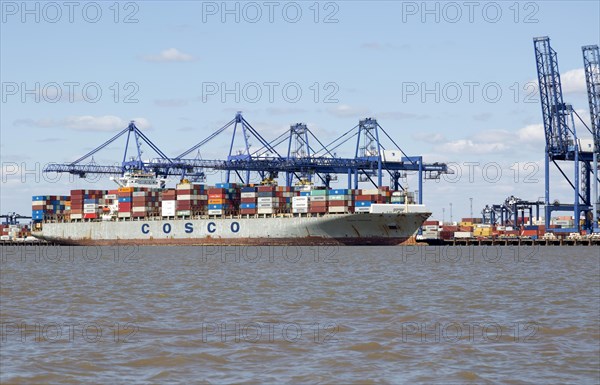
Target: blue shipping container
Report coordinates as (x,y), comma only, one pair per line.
(362,204)
(339,192)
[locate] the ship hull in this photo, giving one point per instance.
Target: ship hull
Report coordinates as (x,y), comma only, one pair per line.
(340,229)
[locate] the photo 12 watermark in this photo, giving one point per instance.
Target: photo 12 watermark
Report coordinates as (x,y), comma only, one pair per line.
(36,172)
(70,12)
(267,332)
(269,254)
(270,12)
(470,12)
(269,92)
(454,92)
(470,254)
(68,254)
(69,92)
(491,173)
(469,332)
(68,331)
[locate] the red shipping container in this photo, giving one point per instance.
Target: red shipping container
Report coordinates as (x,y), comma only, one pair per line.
(247,211)
(317,210)
(529,233)
(318,204)
(265,188)
(90,216)
(124,206)
(248,200)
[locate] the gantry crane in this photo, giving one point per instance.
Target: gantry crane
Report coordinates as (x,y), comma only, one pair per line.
(130,163)
(591,65)
(562,143)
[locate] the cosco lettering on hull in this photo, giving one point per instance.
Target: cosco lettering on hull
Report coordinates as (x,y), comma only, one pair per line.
(188,228)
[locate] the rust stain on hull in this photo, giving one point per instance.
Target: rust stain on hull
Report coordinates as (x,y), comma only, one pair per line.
(308,241)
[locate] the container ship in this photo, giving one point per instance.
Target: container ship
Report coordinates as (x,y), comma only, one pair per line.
(227,214)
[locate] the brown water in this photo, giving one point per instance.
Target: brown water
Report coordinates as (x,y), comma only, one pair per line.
(300,315)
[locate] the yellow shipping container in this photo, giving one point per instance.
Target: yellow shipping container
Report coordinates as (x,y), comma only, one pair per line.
(482,232)
(216,201)
(125,189)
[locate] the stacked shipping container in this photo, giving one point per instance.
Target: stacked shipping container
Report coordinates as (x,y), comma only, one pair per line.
(43,206)
(191,199)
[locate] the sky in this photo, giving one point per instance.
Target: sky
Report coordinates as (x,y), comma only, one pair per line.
(454,82)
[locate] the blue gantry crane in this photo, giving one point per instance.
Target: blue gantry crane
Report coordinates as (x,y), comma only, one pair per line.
(129,163)
(562,143)
(591,65)
(301,163)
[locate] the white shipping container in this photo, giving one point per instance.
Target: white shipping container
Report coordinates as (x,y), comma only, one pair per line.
(168,212)
(265,205)
(300,210)
(431,228)
(299,204)
(139,194)
(215,212)
(430,234)
(370,191)
(338,209)
(124,215)
(140,209)
(248,195)
(90,211)
(463,234)
(266,211)
(111,196)
(318,198)
(4,238)
(76,216)
(188,197)
(300,199)
(267,200)
(382,208)
(362,209)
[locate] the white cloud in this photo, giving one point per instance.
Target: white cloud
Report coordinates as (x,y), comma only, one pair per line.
(533,134)
(346,111)
(573,81)
(468,146)
(169,55)
(86,123)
